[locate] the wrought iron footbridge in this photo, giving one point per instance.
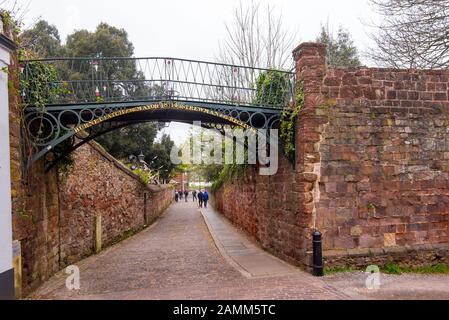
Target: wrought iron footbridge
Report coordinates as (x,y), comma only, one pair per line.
(79,99)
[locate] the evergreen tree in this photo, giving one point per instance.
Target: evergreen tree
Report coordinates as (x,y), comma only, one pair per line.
(106,41)
(341,51)
(43,40)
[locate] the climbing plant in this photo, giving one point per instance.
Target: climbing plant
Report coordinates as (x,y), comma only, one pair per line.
(39,85)
(9,23)
(288,124)
(272,88)
(229,172)
(38,89)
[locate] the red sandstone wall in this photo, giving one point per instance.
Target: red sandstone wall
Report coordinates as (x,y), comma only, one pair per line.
(372,169)
(98,184)
(265,208)
(54,215)
(384,158)
(35,224)
(158,200)
(34,199)
(376,146)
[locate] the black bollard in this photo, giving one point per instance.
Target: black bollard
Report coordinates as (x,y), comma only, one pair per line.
(318,270)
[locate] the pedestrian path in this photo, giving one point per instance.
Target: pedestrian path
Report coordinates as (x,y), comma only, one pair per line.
(241,252)
(177,258)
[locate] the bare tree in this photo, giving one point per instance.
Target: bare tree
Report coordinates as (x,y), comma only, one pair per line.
(257,38)
(412,34)
(15,9)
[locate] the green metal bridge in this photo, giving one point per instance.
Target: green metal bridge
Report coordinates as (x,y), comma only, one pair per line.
(87,97)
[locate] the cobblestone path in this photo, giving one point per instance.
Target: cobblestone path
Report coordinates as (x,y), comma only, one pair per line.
(177,259)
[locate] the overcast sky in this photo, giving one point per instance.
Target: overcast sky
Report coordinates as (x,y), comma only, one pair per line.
(193,28)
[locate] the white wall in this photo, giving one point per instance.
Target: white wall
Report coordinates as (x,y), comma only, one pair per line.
(5,179)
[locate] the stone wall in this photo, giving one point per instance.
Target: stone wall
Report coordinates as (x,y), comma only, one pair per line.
(384,161)
(34,196)
(265,208)
(100,185)
(372,168)
(55,213)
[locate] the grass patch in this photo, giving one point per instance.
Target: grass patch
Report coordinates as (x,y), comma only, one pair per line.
(395,269)
(392,268)
(333,270)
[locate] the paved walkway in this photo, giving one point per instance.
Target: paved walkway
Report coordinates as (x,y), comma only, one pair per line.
(242,253)
(178,259)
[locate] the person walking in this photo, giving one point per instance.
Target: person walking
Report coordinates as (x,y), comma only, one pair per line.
(180,194)
(176,196)
(205,198)
(200,199)
(194,195)
(186,194)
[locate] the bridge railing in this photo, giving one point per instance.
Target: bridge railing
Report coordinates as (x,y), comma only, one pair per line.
(108,80)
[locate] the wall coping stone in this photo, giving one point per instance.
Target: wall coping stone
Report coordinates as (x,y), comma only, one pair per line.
(320,49)
(384,250)
(150,187)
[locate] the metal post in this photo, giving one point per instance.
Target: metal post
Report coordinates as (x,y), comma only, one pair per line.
(145,213)
(317,255)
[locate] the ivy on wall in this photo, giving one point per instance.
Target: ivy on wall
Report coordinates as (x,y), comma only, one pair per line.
(39,84)
(272,88)
(288,124)
(229,172)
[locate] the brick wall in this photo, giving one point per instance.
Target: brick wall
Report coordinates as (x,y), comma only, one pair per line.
(34,196)
(265,207)
(54,213)
(384,162)
(372,169)
(99,184)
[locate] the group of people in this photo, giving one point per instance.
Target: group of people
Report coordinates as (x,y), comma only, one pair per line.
(179,194)
(201,196)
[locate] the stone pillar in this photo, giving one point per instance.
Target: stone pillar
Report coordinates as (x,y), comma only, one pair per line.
(98,233)
(17,264)
(6,257)
(310,59)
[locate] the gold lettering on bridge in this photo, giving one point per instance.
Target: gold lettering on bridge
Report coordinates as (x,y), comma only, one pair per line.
(159,106)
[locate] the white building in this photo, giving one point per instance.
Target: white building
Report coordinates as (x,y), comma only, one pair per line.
(6,269)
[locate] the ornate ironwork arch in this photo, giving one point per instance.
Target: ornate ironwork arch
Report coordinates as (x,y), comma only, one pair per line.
(59,125)
(101,94)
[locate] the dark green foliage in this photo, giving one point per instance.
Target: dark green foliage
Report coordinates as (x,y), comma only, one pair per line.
(211,172)
(288,125)
(163,163)
(106,41)
(272,89)
(129,140)
(43,40)
(341,51)
(133,140)
(38,84)
(229,172)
